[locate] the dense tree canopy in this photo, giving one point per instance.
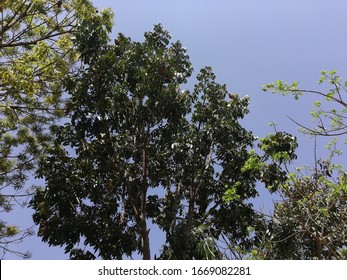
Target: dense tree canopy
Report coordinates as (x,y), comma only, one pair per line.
(140,150)
(36,53)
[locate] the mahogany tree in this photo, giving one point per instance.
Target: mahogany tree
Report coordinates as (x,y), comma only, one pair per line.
(139,150)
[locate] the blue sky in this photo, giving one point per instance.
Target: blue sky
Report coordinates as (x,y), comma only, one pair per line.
(248,43)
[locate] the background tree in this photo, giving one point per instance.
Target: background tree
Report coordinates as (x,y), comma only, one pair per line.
(139,150)
(310,222)
(329,110)
(36,53)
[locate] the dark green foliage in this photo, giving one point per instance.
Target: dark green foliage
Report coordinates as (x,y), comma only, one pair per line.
(271,168)
(36,54)
(138,148)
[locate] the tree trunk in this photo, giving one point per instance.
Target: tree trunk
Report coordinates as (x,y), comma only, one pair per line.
(190,215)
(145,241)
(143,216)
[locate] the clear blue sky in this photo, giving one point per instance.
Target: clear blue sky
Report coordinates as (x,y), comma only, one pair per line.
(248,43)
